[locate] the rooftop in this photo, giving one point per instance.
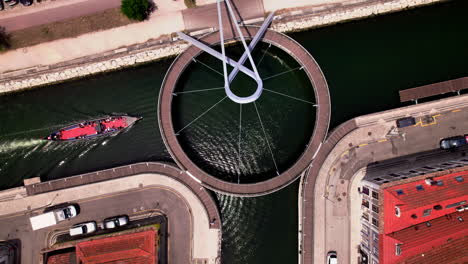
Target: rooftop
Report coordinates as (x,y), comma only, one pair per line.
(417,193)
(451,252)
(130,248)
(424,237)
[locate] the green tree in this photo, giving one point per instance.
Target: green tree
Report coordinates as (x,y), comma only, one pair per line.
(190,3)
(4,39)
(136,9)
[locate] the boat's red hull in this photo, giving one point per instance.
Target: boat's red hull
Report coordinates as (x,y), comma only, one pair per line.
(93,128)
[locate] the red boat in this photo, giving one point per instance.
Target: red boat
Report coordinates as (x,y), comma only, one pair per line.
(93,128)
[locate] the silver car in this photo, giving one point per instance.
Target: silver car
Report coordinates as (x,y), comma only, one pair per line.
(83,228)
(115,221)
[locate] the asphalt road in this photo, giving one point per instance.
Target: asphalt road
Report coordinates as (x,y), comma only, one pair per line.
(57,14)
(179,225)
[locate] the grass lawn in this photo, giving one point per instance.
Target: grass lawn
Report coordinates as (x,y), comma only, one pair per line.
(68,28)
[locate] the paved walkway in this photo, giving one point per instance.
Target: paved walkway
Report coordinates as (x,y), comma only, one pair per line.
(45,16)
(205,239)
(327,188)
(159,23)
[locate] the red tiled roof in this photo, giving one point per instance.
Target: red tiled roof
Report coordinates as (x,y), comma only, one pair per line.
(453,252)
(64,258)
(417,206)
(420,238)
(130,248)
(413,198)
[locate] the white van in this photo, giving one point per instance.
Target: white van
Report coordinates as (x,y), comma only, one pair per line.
(83,228)
(332,257)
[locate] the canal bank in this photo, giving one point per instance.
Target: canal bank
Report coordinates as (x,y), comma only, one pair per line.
(287,20)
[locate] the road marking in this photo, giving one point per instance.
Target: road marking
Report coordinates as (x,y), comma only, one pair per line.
(344,153)
(382,140)
(456,110)
(363,144)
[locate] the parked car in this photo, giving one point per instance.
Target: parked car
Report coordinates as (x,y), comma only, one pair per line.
(116,221)
(11,2)
(453,142)
(405,121)
(83,228)
(332,258)
(7,253)
(26,2)
(2,6)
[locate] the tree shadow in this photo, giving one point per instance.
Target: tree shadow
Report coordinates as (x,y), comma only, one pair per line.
(4,39)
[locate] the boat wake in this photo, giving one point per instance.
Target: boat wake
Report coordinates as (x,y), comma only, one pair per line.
(13,145)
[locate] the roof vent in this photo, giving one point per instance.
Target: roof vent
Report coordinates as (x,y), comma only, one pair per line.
(397,211)
(430,181)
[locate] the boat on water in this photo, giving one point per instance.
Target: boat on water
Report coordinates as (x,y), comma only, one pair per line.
(93,128)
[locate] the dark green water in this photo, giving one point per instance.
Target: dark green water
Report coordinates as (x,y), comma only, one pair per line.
(239,151)
(365,63)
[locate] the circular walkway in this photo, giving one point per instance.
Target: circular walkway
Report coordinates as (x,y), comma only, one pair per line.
(322,119)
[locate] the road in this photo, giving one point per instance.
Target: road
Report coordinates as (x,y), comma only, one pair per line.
(171,203)
(55,14)
(368,143)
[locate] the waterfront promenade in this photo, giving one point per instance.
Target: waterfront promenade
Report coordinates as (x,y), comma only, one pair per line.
(64,59)
(194,224)
(329,218)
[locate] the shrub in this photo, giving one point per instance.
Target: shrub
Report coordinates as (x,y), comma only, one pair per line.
(4,39)
(135,9)
(190,3)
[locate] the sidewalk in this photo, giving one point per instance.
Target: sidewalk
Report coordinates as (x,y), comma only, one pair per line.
(335,201)
(168,18)
(205,240)
(159,23)
(48,13)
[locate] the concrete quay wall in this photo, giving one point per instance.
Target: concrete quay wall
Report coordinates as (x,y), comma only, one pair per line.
(286,21)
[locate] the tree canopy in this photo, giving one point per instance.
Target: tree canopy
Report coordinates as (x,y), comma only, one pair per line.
(136,9)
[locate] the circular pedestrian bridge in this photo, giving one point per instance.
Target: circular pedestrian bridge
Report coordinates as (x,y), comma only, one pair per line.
(245,149)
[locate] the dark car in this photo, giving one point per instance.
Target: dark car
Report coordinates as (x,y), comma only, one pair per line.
(2,6)
(26,2)
(452,142)
(405,121)
(11,2)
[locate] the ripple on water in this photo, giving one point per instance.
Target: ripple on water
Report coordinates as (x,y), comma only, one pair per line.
(212,140)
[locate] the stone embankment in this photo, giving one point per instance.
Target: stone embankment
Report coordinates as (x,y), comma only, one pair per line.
(122,60)
(340,12)
(288,21)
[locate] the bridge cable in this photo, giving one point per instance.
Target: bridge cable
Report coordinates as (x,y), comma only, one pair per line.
(201,90)
(204,64)
(263,56)
(239,152)
(289,96)
(202,114)
(281,73)
(266,139)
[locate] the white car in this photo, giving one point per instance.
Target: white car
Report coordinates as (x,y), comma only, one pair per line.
(116,221)
(66,213)
(83,228)
(332,257)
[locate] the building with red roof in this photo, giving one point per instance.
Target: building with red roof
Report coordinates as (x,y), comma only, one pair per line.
(134,248)
(410,212)
(130,248)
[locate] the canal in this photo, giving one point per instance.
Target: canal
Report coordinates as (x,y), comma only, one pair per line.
(365,62)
